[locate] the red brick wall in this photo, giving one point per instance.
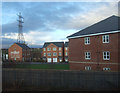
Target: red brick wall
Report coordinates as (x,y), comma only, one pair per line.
(77,49)
(81,66)
(18,48)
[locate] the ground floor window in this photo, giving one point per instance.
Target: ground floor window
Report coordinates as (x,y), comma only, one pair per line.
(87,68)
(15,58)
(54,59)
(105,68)
(49,60)
(23,58)
(66,59)
(60,59)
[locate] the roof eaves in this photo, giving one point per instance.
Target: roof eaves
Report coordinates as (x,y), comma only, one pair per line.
(93,34)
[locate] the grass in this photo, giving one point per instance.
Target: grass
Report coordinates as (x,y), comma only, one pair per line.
(44,66)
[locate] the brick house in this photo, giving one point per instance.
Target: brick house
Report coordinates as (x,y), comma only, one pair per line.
(53,52)
(19,52)
(96,47)
(66,51)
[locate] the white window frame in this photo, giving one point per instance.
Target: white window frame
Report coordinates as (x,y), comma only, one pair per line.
(54,49)
(48,49)
(49,54)
(44,49)
(87,40)
(87,55)
(106,68)
(107,53)
(60,48)
(104,38)
(87,67)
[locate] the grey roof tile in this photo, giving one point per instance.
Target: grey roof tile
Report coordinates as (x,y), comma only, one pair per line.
(58,44)
(107,25)
(24,46)
(66,44)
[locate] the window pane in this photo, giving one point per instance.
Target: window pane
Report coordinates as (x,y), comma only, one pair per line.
(107,57)
(103,38)
(104,57)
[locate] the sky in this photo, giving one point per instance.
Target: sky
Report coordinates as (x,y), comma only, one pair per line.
(51,21)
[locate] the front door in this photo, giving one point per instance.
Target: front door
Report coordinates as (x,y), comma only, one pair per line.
(49,60)
(54,59)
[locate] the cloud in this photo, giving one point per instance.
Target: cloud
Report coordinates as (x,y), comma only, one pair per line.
(81,21)
(39,37)
(51,16)
(38,16)
(44,22)
(7,42)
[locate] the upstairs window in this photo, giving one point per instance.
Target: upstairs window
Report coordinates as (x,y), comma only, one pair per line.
(106,55)
(87,55)
(59,48)
(60,54)
(66,48)
(49,54)
(44,49)
(54,49)
(44,54)
(54,54)
(48,49)
(87,40)
(66,53)
(105,38)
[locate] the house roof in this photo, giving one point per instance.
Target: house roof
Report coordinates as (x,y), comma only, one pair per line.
(24,46)
(66,44)
(58,44)
(107,25)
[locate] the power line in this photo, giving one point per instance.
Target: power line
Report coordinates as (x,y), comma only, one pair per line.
(20,38)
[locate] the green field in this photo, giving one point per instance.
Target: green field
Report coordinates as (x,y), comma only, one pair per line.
(44,66)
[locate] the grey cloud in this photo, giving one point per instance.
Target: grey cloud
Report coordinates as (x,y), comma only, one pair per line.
(43,16)
(6,43)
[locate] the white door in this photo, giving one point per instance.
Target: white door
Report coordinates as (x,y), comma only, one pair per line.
(54,59)
(49,60)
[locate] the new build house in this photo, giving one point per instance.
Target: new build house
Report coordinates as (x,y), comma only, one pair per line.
(96,47)
(53,52)
(19,52)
